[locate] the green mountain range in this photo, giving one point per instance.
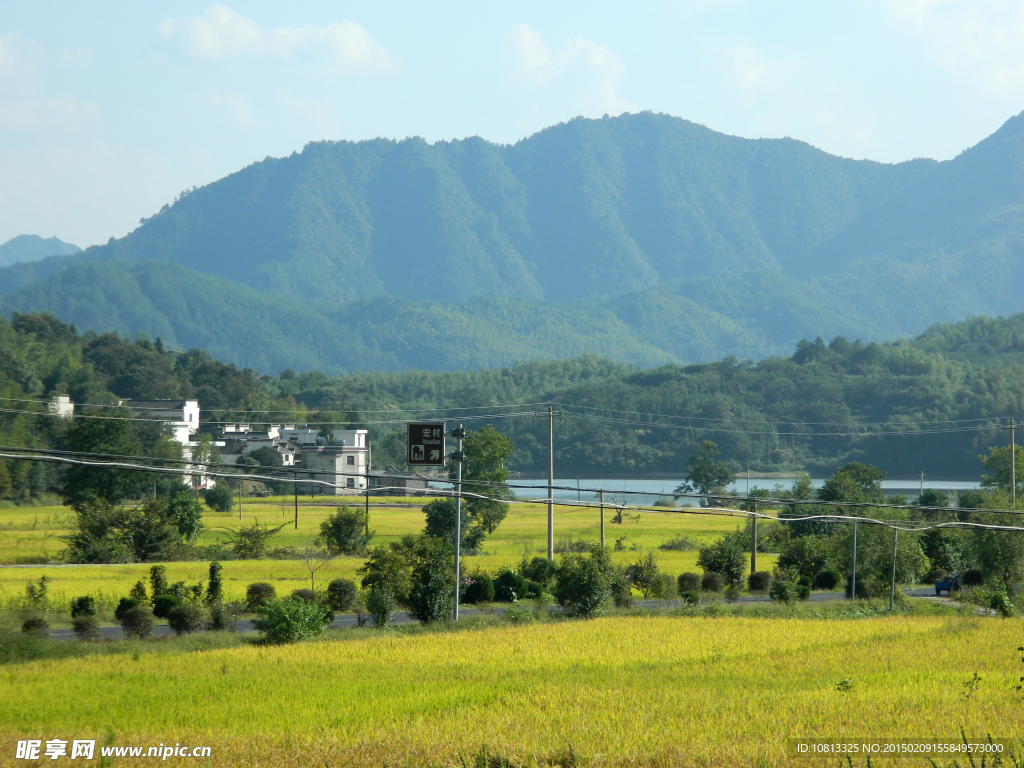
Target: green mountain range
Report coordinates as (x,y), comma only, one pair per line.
(644,238)
(25,248)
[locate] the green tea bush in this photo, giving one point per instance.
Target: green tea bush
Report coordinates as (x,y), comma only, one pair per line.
(826,580)
(712,582)
(164,604)
(137,622)
(804,581)
(83,606)
(803,592)
(783,590)
(36,625)
(688,582)
(258,594)
(540,570)
(185,619)
(124,605)
(342,595)
(480,589)
(292,619)
(509,585)
(759,581)
(86,627)
(533,589)
(304,594)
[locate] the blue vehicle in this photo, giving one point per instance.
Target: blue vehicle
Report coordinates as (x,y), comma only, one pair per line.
(950,583)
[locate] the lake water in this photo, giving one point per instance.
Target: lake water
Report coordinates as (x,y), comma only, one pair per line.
(649,491)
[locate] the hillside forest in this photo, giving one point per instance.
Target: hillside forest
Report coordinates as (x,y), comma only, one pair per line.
(932,403)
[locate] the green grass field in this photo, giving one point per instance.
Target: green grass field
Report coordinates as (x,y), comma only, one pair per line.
(638,690)
(32,533)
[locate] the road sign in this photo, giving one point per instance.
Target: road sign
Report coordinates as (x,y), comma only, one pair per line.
(426,444)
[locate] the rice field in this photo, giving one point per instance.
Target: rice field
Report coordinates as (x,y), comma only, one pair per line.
(27,533)
(670,691)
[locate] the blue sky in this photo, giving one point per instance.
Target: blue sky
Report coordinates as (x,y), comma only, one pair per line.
(105,115)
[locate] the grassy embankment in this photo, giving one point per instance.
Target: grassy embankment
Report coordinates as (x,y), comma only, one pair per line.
(638,690)
(26,533)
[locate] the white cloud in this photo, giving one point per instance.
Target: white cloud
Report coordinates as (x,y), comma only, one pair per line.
(980,40)
(750,67)
(238,108)
(59,114)
(221,33)
(588,69)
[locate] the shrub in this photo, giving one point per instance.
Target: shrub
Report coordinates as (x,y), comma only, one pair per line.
(759,581)
(186,618)
(539,569)
(83,606)
(36,626)
(342,595)
(158,582)
(344,532)
(726,557)
(218,618)
(783,590)
(480,590)
(803,591)
(126,604)
(690,597)
(304,594)
(584,582)
(139,593)
(137,622)
(973,578)
(164,604)
(622,595)
(688,582)
(680,544)
(826,580)
(253,542)
(219,498)
(509,585)
(292,619)
(86,627)
(533,589)
(214,587)
(1000,602)
(804,581)
(645,576)
(258,594)
(432,594)
(668,587)
(381,604)
(807,555)
(731,593)
(712,582)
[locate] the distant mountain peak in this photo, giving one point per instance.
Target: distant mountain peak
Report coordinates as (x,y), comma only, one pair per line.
(34,248)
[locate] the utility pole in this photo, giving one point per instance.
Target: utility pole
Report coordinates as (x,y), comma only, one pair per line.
(551,483)
(753,543)
(602,518)
(748,486)
(1013,463)
(853,578)
(892,584)
(295,488)
(240,499)
(922,487)
(458,434)
(367,512)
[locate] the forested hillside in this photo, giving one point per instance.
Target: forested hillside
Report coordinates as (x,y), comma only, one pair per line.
(932,403)
(667,241)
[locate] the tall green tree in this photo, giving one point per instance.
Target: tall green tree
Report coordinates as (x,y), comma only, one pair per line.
(997,462)
(704,473)
(486,452)
(86,486)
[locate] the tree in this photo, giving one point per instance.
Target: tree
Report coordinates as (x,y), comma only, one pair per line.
(186,513)
(726,557)
(87,486)
(314,559)
(584,582)
(998,463)
(267,457)
(704,473)
(1000,554)
(854,482)
(485,453)
(344,532)
(646,576)
(252,542)
(440,514)
(432,592)
(219,498)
